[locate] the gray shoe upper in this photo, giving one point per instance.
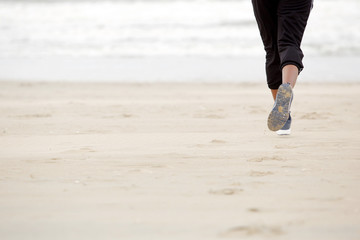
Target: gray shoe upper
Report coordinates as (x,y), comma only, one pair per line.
(287,124)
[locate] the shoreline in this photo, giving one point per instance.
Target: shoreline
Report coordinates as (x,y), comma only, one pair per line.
(169,69)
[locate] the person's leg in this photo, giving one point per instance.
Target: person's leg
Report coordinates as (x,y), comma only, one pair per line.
(292,20)
(279,119)
(266,17)
(274,93)
(289,75)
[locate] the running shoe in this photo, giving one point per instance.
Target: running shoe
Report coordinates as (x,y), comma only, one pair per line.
(285,130)
(281,110)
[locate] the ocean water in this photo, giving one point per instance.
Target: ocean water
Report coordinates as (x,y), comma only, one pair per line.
(164,40)
(123,28)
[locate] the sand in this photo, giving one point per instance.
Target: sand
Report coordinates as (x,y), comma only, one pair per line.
(177,161)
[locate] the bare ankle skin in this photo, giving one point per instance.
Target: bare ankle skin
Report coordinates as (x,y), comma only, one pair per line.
(290,74)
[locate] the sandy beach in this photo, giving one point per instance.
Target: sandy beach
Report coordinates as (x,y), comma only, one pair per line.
(177,161)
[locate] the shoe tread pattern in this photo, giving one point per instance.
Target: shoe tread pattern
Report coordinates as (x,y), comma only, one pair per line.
(280,112)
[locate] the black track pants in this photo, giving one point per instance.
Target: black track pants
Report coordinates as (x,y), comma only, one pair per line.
(281,24)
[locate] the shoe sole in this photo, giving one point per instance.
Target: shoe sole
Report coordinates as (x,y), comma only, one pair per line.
(280,113)
(283,132)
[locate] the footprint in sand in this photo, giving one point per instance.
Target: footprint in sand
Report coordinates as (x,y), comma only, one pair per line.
(218,141)
(254,210)
(226,191)
(266,158)
(39,115)
(315,115)
(82,149)
(117,116)
(285,147)
(211,116)
(260,173)
(246,231)
(212,143)
(257,109)
(88,149)
(236,184)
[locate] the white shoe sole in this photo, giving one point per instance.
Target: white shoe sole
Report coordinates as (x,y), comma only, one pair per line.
(283,132)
